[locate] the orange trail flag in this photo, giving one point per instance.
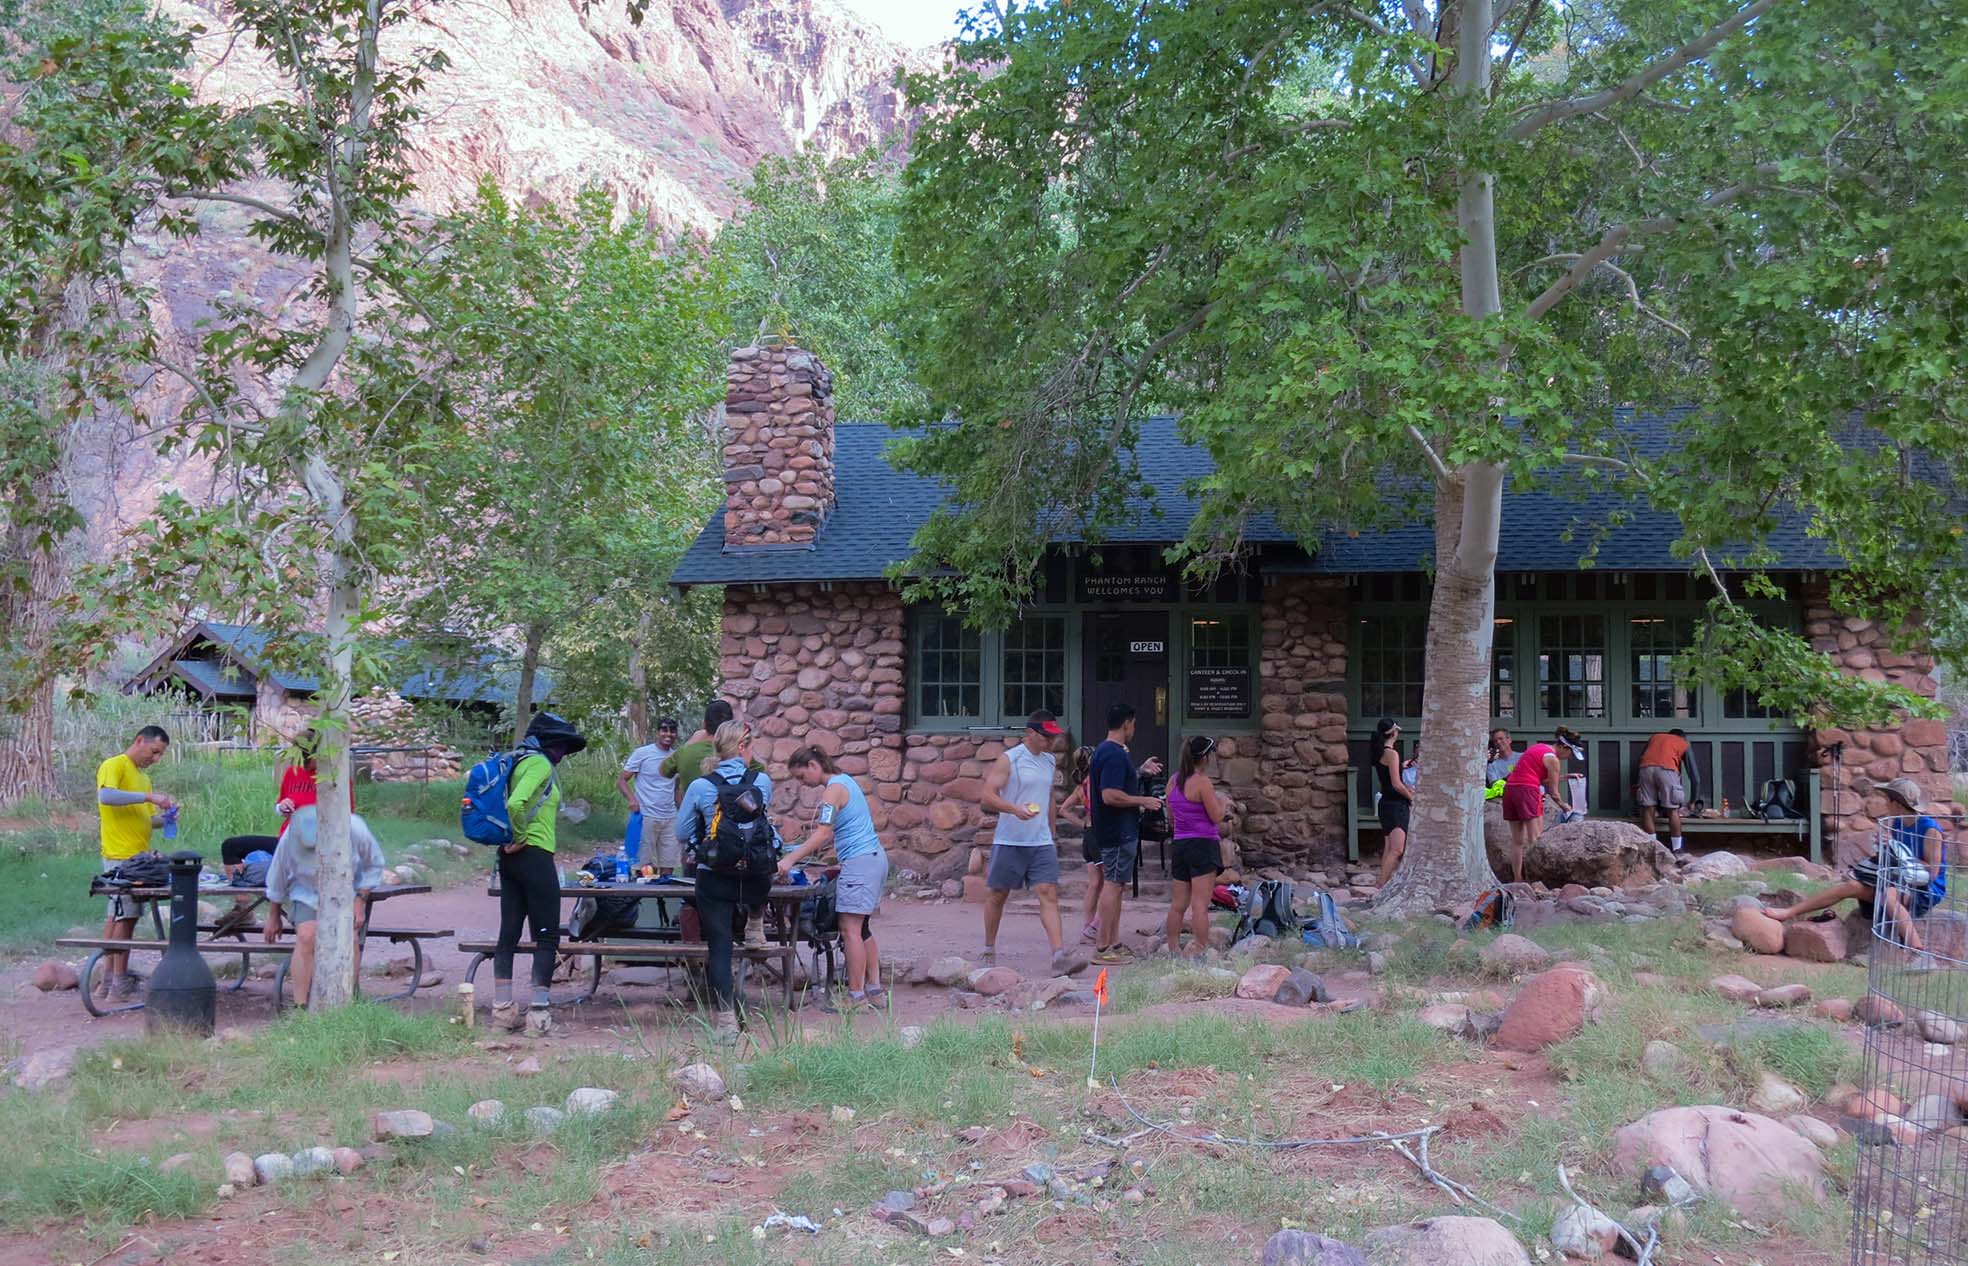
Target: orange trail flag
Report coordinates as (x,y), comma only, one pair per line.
(1099,1000)
(1100,987)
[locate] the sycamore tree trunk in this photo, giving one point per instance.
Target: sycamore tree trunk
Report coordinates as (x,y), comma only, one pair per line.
(335,961)
(1446,861)
(529,670)
(27,727)
(639,678)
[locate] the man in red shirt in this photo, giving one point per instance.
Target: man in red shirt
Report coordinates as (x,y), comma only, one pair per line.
(1660,783)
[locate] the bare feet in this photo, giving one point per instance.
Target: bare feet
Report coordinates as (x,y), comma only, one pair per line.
(1779,913)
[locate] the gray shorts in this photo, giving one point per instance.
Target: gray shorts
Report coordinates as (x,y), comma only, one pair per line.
(122,905)
(858,887)
(1661,788)
(296,913)
(1015,866)
(1117,860)
(659,843)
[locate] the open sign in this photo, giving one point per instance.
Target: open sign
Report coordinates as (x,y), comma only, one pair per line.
(1145,648)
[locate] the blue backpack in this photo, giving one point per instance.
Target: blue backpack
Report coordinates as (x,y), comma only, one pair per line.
(1327,927)
(483,817)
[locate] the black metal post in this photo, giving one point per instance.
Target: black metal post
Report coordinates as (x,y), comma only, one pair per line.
(183,997)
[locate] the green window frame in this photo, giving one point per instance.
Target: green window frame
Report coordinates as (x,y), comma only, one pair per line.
(1220,641)
(1572,655)
(1503,669)
(949,669)
(961,678)
(1033,666)
(1392,650)
(1653,641)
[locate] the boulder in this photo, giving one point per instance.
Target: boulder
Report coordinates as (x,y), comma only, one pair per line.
(1935,1112)
(1304,1248)
(1594,852)
(589,1101)
(488,1112)
(1745,1160)
(54,974)
(347,1161)
(1496,837)
(1301,988)
(1818,1132)
(272,1167)
(698,1082)
(1838,1010)
(1777,1097)
(947,971)
(1664,1063)
(1261,982)
(1784,996)
(1552,1006)
(1945,932)
(312,1160)
(1875,1011)
(1736,988)
(1440,1241)
(1936,1027)
(1816,941)
(1584,1234)
(544,1120)
(1719,865)
(1514,955)
(1757,930)
(403,1123)
(239,1169)
(989,982)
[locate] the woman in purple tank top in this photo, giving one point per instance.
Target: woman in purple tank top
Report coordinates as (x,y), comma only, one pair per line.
(1196,817)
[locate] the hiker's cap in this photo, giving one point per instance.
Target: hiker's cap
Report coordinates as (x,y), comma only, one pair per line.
(1904,790)
(1045,723)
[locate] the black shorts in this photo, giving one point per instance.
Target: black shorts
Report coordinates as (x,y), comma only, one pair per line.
(1089,851)
(1394,812)
(1195,858)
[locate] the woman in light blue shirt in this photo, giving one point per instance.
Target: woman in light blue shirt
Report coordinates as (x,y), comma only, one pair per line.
(720,895)
(844,821)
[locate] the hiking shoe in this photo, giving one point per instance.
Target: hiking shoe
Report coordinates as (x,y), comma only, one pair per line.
(843,1004)
(1067,962)
(1921,963)
(877,996)
(755,934)
(725,1031)
(539,1022)
(507,1016)
(1115,955)
(989,957)
(1091,932)
(129,985)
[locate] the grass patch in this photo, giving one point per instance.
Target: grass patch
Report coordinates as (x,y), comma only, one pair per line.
(53,1175)
(1809,1056)
(44,893)
(305,1049)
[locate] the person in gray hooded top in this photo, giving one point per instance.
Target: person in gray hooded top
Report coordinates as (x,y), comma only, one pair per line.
(292,891)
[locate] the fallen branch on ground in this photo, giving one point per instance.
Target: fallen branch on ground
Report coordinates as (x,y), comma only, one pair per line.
(1643,1253)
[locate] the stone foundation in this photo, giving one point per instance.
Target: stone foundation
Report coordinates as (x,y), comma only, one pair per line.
(1915,749)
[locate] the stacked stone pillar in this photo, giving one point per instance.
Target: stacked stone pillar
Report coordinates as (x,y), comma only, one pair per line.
(778,447)
(1293,785)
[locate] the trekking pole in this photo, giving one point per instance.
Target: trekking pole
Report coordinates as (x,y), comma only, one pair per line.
(1099,1000)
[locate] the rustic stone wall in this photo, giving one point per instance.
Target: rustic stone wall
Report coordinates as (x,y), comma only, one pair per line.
(384,718)
(1292,787)
(778,446)
(1915,749)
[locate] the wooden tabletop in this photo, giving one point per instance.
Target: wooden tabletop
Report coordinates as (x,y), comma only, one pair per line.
(645,891)
(381,892)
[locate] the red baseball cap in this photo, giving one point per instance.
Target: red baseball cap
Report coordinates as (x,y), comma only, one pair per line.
(1045,723)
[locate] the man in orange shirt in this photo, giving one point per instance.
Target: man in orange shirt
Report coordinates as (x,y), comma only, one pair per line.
(1660,783)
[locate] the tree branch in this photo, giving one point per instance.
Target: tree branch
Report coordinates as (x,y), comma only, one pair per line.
(1595,461)
(1632,289)
(1633,86)
(1386,32)
(246,200)
(1428,450)
(1510,54)
(1607,247)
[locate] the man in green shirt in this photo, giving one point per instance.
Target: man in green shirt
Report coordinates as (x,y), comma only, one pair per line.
(529,881)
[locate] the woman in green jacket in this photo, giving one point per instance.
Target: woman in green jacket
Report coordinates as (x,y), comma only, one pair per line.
(529,883)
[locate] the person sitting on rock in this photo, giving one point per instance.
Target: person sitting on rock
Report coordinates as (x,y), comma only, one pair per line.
(1917,837)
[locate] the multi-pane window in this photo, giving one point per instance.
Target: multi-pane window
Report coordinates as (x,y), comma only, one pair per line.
(1653,643)
(1220,641)
(1572,665)
(949,668)
(1035,666)
(1739,705)
(1503,669)
(1392,651)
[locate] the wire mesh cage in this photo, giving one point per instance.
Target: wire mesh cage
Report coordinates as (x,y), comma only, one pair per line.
(1910,1197)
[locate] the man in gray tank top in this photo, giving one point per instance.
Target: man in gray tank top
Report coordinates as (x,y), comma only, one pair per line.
(1022,788)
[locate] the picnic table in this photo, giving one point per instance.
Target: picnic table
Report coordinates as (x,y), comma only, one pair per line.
(230,935)
(660,941)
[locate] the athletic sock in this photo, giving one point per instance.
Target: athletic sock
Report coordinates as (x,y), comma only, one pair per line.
(542,997)
(1677,843)
(502,991)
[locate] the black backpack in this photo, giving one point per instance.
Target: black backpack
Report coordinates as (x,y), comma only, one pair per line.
(1779,802)
(1269,913)
(595,917)
(738,840)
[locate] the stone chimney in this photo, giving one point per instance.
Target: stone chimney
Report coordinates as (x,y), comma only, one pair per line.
(778,446)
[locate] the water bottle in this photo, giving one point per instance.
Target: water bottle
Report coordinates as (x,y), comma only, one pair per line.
(621,864)
(171,823)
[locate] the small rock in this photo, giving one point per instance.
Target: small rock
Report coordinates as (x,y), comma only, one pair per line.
(989,982)
(722,1177)
(1816,942)
(948,971)
(590,1101)
(1583,1233)
(545,1120)
(952,888)
(487,1112)
(403,1123)
(528,1067)
(939,1227)
(347,1161)
(910,1035)
(1301,988)
(1757,930)
(1719,865)
(1874,1104)
(700,1082)
(1514,955)
(841,1115)
(1936,1027)
(1377,965)
(1784,996)
(1551,1007)
(1664,1063)
(1736,988)
(1875,1011)
(1262,982)
(239,1169)
(897,1201)
(312,1160)
(1073,998)
(172,1164)
(1304,1248)
(1445,1017)
(1825,1136)
(54,975)
(1775,1096)
(45,1070)
(271,1168)
(1935,1112)
(1251,946)
(1838,1009)
(228,1190)
(1662,1185)
(1442,1241)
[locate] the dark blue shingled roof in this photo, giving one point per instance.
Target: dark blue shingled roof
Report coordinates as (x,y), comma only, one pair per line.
(878,509)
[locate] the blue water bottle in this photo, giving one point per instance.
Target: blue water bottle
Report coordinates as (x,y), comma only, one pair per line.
(621,865)
(170,816)
(632,836)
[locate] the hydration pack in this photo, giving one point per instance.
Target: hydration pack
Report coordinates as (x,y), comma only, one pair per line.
(738,840)
(483,816)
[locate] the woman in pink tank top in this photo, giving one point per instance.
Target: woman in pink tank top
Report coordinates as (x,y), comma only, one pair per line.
(1196,818)
(1539,769)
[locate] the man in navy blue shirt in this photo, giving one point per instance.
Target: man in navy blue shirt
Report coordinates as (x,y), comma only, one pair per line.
(1117,804)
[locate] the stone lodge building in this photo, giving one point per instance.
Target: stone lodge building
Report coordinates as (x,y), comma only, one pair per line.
(1288,663)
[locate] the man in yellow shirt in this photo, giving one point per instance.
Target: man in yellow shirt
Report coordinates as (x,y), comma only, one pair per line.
(124,802)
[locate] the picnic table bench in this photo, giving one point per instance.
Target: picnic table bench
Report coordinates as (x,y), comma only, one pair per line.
(232,938)
(662,944)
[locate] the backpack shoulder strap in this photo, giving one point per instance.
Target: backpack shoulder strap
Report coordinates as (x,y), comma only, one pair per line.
(539,799)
